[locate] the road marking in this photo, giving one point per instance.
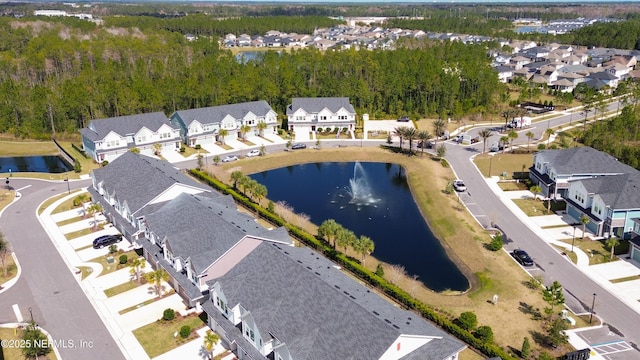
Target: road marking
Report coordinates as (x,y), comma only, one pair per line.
(16,310)
(24,187)
(611,347)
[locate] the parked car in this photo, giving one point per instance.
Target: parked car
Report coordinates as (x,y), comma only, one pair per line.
(106,240)
(428,145)
(230,158)
(253,153)
(494,147)
(404,119)
(459,185)
(522,257)
(298,146)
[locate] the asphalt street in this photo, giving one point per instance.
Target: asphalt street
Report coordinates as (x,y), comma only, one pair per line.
(46,284)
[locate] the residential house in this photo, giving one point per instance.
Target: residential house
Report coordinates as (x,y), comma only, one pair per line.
(107,139)
(592,183)
(203,125)
(597,79)
(505,73)
(610,202)
(308,115)
(132,183)
(290,303)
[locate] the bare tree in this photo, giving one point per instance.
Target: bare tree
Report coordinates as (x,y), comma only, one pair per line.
(396,272)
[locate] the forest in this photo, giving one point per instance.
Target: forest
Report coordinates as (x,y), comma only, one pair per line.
(58,74)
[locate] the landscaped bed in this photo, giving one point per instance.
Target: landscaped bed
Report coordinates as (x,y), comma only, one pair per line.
(159,337)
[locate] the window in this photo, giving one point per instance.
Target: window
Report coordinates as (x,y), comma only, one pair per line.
(299,118)
(251,336)
(342,117)
(323,118)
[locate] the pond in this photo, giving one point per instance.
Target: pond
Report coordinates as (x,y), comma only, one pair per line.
(371,199)
(44,164)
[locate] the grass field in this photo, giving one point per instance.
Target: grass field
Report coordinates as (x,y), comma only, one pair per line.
(503,163)
(460,235)
(598,251)
(157,338)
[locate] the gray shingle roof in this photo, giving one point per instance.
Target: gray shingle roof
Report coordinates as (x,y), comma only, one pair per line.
(620,192)
(315,105)
(202,228)
(137,179)
(583,160)
(124,125)
(215,114)
(297,295)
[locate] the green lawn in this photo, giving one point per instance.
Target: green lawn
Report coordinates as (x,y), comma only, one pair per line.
(503,163)
(86,165)
(628,278)
(512,186)
(15,352)
(537,208)
(12,271)
(137,306)
(119,289)
(597,250)
(115,265)
(69,221)
(157,338)
(65,206)
(76,234)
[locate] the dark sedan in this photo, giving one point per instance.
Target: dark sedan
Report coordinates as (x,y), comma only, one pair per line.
(522,257)
(298,146)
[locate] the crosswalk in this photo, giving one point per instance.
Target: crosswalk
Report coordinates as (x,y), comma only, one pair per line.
(611,347)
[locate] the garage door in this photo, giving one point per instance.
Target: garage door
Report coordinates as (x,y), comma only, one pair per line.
(635,254)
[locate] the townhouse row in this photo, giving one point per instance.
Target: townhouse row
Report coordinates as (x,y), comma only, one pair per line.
(154,133)
(596,185)
(265,297)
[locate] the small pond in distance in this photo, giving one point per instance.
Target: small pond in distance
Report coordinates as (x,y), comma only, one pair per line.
(44,164)
(371,199)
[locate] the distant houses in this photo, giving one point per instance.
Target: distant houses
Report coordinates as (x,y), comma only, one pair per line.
(265,298)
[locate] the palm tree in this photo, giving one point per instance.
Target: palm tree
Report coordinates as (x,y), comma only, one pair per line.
(156,278)
(424,136)
(410,134)
(244,183)
(399,132)
(136,267)
(260,192)
(484,134)
(586,109)
(364,246)
(262,126)
(244,129)
(438,127)
(81,200)
(612,242)
(222,134)
(345,238)
(504,140)
(584,220)
(211,338)
(507,114)
(529,136)
(512,136)
(536,189)
(94,209)
(549,132)
(328,230)
(216,160)
(236,176)
(157,148)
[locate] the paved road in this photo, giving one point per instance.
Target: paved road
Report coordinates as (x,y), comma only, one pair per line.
(46,285)
(579,288)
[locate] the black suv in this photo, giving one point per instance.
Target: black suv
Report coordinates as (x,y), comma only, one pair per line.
(106,240)
(522,257)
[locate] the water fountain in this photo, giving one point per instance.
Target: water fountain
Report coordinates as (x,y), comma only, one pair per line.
(359,190)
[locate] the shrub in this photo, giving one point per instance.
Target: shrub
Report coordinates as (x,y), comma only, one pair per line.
(198,146)
(468,320)
(182,149)
(185,331)
(484,333)
(113,249)
(444,163)
(380,270)
(168,314)
(496,242)
(123,259)
(105,163)
(77,167)
(542,146)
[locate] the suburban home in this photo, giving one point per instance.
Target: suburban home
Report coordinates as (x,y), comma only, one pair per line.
(203,125)
(264,311)
(308,115)
(610,202)
(554,169)
(265,298)
(132,183)
(634,251)
(107,139)
(592,183)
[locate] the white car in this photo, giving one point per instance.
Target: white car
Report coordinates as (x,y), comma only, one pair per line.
(253,153)
(230,158)
(459,186)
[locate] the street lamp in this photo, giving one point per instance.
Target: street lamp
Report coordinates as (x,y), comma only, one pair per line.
(31,313)
(593,304)
(490,161)
(68,188)
(574,237)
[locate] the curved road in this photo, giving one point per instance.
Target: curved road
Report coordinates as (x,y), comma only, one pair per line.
(46,284)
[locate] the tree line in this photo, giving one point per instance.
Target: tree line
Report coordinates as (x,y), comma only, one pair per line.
(56,76)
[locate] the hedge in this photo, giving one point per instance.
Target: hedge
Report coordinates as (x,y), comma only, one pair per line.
(358,270)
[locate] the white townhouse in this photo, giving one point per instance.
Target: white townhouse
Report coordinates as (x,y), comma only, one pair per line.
(308,115)
(107,139)
(203,125)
